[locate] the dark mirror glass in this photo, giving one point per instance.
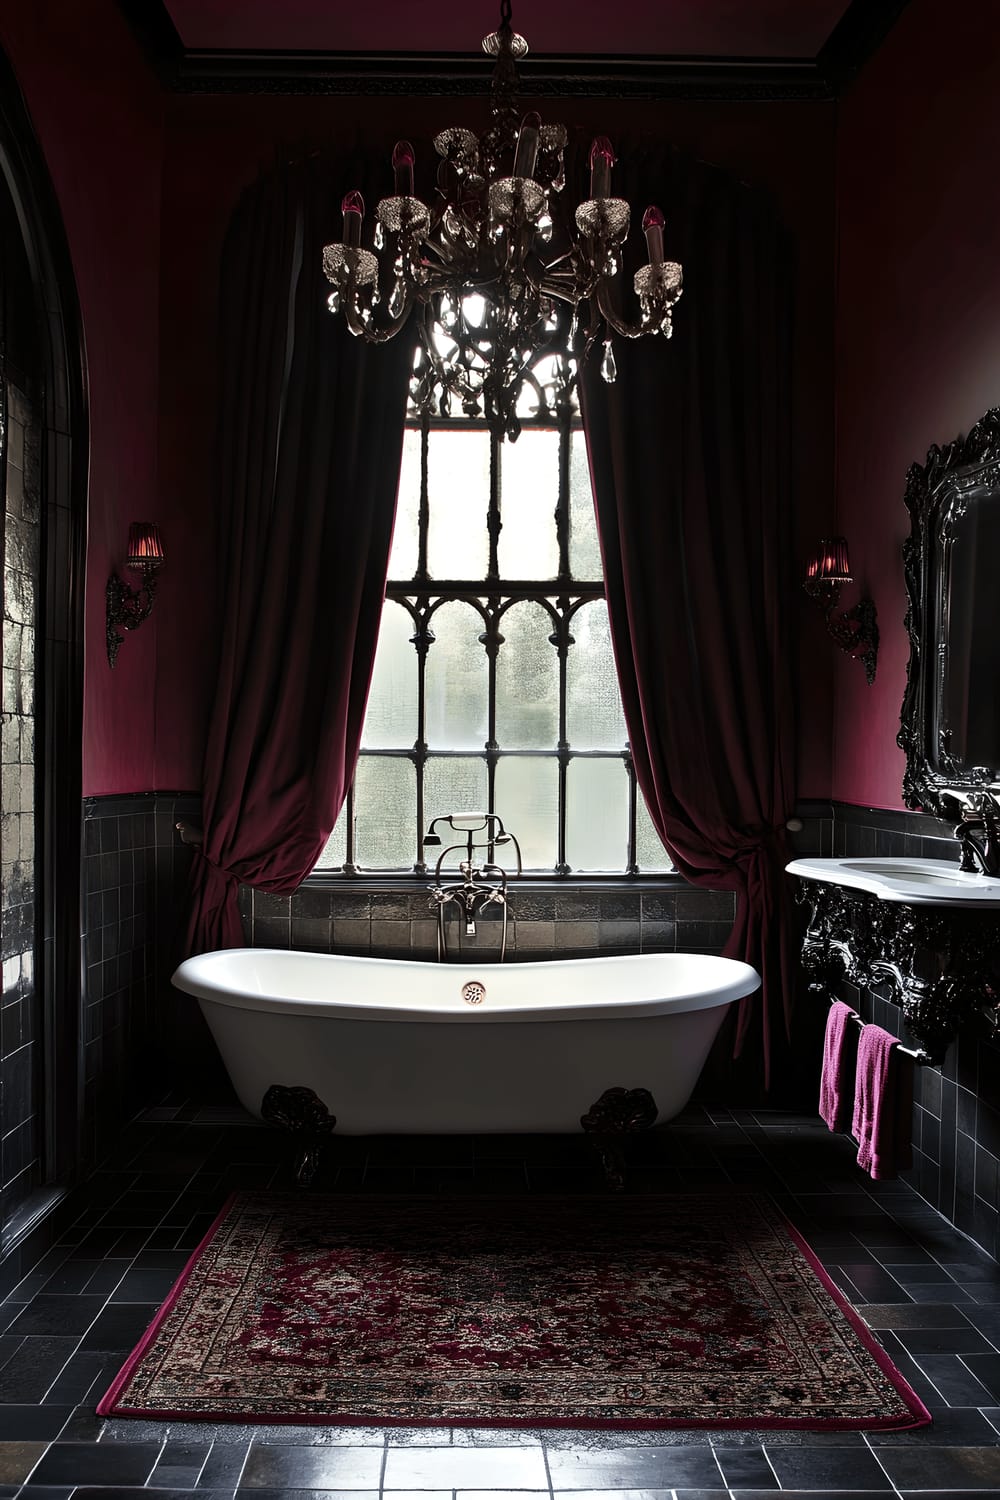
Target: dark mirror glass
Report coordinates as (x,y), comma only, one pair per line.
(950,718)
(968,700)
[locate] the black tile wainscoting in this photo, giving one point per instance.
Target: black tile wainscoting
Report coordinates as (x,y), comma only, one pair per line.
(134,873)
(547,920)
(956,1112)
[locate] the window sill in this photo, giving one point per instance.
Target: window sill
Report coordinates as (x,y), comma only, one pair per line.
(403,881)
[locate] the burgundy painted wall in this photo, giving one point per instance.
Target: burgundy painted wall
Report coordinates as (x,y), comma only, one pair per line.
(918,324)
(215,145)
(98,114)
(146,183)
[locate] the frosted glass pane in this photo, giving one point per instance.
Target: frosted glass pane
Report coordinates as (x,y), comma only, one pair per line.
(456,683)
(526,795)
(458,494)
(385,813)
(391,716)
(650,854)
(594,719)
(584,551)
(403,557)
(335,848)
(527,680)
(596,815)
(452,786)
(529,490)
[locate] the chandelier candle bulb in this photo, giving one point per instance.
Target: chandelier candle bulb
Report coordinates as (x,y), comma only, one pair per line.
(353,210)
(402,166)
(652,225)
(602,158)
(527,145)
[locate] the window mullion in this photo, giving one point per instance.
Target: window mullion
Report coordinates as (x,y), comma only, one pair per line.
(562,640)
(422,639)
(493,520)
(562,502)
(424,509)
(631,863)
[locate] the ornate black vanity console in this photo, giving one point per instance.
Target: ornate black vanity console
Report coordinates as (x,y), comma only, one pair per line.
(943,963)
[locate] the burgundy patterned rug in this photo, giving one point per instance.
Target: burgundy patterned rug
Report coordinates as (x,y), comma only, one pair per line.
(646,1312)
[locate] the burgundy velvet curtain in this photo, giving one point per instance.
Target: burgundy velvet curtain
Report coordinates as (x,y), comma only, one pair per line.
(689,453)
(310,444)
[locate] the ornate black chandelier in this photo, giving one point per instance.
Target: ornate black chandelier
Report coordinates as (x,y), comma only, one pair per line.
(493,273)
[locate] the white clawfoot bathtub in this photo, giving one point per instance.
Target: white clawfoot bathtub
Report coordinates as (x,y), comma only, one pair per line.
(392,1047)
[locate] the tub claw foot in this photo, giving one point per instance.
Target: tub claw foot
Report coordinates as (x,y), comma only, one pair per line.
(304,1114)
(618,1112)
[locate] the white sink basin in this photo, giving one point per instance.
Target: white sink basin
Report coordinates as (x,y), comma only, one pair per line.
(918,882)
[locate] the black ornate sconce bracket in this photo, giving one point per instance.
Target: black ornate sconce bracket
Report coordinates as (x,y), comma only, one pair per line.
(943,964)
(855,630)
(127,608)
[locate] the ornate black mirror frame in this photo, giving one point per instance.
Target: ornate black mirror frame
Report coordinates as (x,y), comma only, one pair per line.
(935,498)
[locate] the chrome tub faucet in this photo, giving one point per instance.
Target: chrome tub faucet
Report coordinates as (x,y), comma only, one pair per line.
(481,884)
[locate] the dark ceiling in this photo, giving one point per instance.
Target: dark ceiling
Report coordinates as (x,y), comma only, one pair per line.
(597,28)
(652,49)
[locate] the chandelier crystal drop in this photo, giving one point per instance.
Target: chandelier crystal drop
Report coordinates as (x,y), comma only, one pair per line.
(495,273)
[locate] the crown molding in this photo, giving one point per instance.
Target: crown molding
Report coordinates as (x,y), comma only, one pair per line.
(183,70)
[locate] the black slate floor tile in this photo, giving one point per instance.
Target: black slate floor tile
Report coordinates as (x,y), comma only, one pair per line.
(60,1313)
(633,1468)
(827,1468)
(957,1383)
(285,1467)
(949,1469)
(97,1463)
(900,1315)
(921,1341)
(25,1422)
(745,1467)
(146,1284)
(36,1365)
(119,1326)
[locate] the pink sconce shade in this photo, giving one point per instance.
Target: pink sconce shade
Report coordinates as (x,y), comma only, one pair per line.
(145,545)
(831,563)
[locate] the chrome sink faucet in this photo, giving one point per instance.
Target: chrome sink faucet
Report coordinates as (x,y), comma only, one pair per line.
(979,832)
(481,884)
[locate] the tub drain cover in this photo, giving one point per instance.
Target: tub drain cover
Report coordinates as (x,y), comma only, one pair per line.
(474,992)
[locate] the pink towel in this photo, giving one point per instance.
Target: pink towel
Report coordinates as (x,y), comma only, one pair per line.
(883,1104)
(837,1080)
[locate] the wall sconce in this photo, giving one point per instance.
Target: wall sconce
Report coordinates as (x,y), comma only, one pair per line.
(855,631)
(128,607)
